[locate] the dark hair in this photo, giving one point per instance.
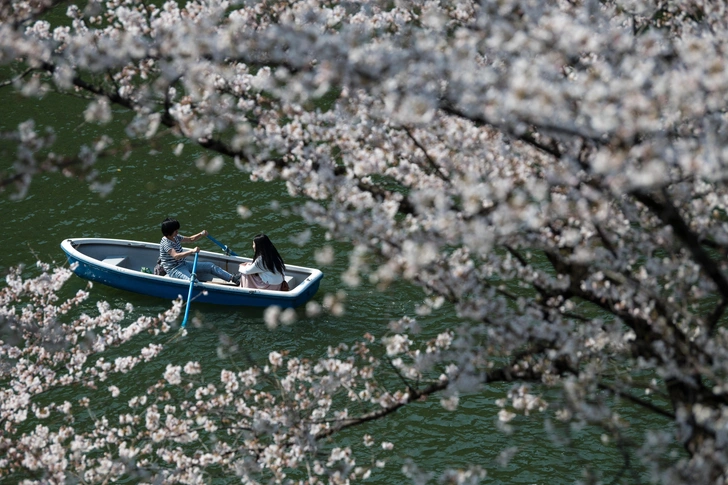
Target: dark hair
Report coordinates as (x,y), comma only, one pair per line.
(268,253)
(169,226)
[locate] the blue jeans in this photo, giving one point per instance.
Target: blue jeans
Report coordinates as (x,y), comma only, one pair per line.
(205,271)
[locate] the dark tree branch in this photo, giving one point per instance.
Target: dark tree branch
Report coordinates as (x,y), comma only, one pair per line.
(8,15)
(406,383)
(517,255)
(433,165)
(669,214)
(20,76)
(635,400)
(605,239)
(509,373)
(548,146)
(380,413)
(717,313)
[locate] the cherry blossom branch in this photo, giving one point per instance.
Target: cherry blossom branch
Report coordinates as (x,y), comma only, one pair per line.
(433,165)
(636,400)
(37,9)
(669,214)
(548,146)
(20,76)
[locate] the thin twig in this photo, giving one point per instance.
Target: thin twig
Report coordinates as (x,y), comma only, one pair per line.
(20,76)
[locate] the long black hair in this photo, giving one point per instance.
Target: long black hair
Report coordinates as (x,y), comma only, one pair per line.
(268,253)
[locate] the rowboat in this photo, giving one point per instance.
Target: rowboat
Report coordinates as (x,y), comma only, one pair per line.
(122,264)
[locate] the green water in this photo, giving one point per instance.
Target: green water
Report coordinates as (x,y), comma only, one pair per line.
(152,185)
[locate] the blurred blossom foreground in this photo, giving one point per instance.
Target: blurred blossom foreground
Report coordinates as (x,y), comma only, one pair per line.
(552,173)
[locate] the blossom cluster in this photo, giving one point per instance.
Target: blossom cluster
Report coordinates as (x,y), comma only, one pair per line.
(267,420)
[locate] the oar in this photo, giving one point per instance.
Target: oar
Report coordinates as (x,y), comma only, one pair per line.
(189,293)
(227,250)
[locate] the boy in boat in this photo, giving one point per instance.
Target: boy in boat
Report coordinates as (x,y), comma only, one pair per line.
(172,256)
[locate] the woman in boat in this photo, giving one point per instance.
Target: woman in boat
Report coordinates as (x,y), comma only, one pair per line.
(267,271)
(172,256)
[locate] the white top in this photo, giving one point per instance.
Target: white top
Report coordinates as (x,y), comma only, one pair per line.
(257,267)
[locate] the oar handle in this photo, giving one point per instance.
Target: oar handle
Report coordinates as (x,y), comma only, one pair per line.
(189,292)
(224,247)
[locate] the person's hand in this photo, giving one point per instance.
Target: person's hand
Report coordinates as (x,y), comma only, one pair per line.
(197,249)
(204,233)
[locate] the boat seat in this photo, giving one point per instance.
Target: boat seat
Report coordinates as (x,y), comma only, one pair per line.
(116,261)
(291,280)
(220,281)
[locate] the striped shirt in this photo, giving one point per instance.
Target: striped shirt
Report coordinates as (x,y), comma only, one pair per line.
(168,262)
